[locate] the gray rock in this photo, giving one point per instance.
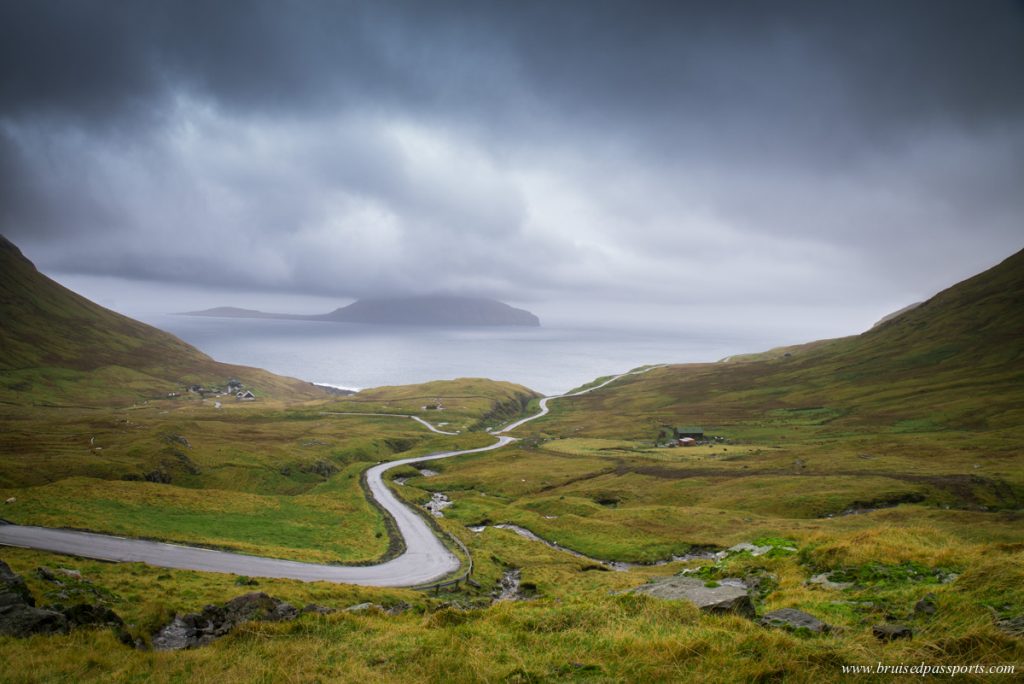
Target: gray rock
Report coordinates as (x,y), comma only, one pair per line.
(24,620)
(891,631)
(13,590)
(198,629)
(18,615)
(85,614)
(398,608)
(362,607)
(174,636)
(320,610)
(794,620)
(926,606)
(730,596)
(1013,626)
(754,549)
(46,574)
(825,582)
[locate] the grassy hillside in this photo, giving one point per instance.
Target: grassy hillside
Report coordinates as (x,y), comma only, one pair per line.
(926,409)
(90,437)
(955,362)
(893,460)
(57,347)
(463,404)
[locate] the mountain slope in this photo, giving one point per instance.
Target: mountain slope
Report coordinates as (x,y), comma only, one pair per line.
(955,361)
(56,346)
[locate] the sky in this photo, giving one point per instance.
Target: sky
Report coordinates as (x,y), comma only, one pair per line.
(801,166)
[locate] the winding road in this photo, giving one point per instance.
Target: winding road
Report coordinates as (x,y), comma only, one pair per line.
(425,558)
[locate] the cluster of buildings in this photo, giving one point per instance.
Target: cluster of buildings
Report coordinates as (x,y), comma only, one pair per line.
(234,388)
(681,436)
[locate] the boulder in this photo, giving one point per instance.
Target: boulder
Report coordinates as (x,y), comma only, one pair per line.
(824,580)
(86,614)
(18,615)
(926,606)
(319,610)
(213,622)
(891,631)
(725,596)
(754,549)
(24,620)
(794,621)
(398,608)
(46,574)
(13,590)
(362,607)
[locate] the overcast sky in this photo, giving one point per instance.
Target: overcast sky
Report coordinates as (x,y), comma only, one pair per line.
(829,160)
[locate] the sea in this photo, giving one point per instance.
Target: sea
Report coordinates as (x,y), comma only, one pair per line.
(356,356)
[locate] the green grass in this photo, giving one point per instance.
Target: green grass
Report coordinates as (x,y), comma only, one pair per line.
(332,523)
(914,429)
(464,404)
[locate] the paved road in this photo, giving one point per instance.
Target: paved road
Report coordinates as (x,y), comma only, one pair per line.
(391,415)
(425,558)
(544,402)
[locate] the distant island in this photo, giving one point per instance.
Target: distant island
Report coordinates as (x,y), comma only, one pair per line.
(430,310)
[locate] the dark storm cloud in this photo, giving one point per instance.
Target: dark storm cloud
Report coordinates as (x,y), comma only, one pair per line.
(541,149)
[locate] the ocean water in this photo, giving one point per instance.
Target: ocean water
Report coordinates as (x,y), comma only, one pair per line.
(547,359)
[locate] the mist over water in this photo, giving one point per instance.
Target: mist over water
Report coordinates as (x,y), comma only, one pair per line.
(549,359)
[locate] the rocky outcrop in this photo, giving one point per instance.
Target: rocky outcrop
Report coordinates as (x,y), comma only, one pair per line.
(198,629)
(13,590)
(729,595)
(794,620)
(19,615)
(85,614)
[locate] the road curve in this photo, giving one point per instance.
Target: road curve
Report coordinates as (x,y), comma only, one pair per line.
(425,558)
(390,415)
(544,402)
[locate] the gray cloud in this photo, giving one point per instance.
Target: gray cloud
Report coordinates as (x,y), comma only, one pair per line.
(727,154)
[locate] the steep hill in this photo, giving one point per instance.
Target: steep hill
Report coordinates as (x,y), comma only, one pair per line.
(955,361)
(57,346)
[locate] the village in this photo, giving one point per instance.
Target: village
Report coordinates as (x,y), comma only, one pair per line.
(233,388)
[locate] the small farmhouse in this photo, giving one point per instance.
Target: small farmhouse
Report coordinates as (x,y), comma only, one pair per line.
(680,436)
(694,433)
(245,395)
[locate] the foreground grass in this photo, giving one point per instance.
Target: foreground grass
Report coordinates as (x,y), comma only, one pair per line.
(579,626)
